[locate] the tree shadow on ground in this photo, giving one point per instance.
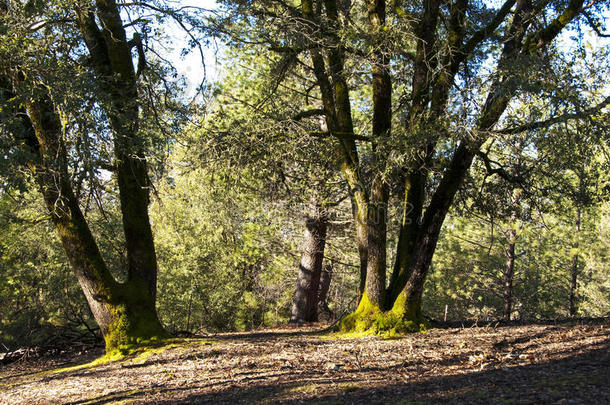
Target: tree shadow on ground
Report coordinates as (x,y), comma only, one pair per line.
(575,379)
(579,378)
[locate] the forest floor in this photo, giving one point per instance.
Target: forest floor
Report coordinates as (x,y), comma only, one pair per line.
(564,363)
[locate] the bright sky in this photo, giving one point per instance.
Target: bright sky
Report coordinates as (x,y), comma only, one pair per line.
(190,66)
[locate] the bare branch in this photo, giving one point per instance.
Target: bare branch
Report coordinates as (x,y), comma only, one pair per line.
(498,170)
(308,113)
(340,135)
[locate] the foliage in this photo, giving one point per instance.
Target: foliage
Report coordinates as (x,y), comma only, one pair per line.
(41,301)
(225,260)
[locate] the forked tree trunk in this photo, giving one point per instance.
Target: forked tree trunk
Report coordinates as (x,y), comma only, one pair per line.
(409,229)
(407,305)
(433,76)
(125,312)
(305,303)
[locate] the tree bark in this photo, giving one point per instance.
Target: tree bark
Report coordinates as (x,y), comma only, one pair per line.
(573,305)
(379,195)
(337,111)
(324,311)
(409,229)
(509,272)
(306,296)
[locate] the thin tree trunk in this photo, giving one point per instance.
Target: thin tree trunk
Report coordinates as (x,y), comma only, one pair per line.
(509,272)
(305,303)
(573,309)
(573,306)
(325,280)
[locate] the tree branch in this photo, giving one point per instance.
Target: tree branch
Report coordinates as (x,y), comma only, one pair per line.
(498,170)
(555,120)
(484,33)
(543,36)
(308,113)
(340,135)
(594,26)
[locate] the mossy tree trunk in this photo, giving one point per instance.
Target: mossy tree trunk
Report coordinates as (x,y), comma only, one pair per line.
(125,312)
(337,112)
(306,296)
(379,191)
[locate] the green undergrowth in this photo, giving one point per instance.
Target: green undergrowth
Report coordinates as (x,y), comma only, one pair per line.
(134,354)
(369,320)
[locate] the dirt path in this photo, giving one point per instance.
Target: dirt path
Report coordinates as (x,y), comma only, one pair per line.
(558,364)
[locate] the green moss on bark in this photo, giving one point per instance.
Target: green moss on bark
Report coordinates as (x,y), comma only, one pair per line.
(369,320)
(361,319)
(135,322)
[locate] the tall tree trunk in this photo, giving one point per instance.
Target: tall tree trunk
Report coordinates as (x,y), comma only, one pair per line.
(382,123)
(573,307)
(112,61)
(418,125)
(373,299)
(337,111)
(509,272)
(305,303)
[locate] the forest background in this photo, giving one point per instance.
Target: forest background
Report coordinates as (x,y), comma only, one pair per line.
(237,171)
